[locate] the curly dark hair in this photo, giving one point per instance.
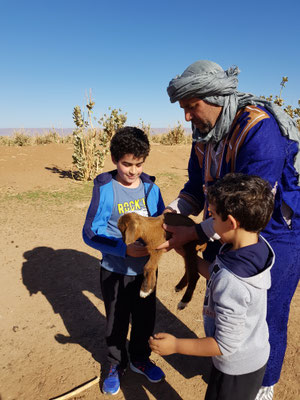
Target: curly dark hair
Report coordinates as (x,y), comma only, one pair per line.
(248,198)
(129,140)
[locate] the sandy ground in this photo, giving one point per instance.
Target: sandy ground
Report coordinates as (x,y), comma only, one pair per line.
(52,315)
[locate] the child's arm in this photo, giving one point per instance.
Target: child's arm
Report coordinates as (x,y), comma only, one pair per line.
(165,344)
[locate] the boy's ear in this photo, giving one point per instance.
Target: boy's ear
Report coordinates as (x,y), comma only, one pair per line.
(233,222)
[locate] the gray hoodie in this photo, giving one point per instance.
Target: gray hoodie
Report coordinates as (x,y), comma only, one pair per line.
(235,307)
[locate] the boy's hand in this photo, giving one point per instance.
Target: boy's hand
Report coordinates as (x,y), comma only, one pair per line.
(163,344)
(180,236)
(136,249)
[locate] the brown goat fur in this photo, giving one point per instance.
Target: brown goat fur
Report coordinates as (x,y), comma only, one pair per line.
(150,229)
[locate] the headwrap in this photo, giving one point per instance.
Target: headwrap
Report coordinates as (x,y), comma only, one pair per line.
(208,81)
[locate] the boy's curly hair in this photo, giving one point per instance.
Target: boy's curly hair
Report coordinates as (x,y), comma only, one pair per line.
(248,198)
(129,140)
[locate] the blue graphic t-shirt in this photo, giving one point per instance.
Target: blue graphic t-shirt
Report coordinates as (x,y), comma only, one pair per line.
(126,200)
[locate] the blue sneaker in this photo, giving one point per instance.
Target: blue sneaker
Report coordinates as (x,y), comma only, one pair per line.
(153,373)
(111,384)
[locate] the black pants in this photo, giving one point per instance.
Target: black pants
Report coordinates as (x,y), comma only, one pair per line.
(121,295)
(234,387)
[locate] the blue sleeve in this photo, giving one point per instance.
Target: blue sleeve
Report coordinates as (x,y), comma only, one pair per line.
(105,244)
(95,226)
(194,186)
(155,201)
(160,204)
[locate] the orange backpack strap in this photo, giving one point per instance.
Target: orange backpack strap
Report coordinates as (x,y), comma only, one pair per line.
(238,136)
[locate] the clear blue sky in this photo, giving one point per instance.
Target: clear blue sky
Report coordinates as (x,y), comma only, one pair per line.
(54,51)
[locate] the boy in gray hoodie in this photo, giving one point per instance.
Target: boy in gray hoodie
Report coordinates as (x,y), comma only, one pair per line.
(235,303)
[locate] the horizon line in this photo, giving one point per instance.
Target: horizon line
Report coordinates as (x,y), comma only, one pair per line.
(9,131)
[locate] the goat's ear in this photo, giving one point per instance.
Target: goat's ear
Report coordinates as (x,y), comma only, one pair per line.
(122,225)
(131,232)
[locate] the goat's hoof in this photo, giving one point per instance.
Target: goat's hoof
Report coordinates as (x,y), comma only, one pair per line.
(145,294)
(177,289)
(181,305)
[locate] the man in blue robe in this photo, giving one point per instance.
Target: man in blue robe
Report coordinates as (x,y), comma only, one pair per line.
(239,132)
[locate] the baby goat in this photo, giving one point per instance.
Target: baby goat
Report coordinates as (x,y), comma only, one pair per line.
(150,229)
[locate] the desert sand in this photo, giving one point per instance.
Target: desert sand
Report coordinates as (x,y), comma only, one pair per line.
(52,315)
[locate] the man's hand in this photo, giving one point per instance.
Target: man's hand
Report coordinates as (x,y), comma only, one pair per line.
(163,344)
(136,249)
(169,210)
(180,236)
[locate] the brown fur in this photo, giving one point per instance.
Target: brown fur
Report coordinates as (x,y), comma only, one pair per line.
(134,226)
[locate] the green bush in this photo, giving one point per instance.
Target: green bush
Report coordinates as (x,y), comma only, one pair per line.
(91,145)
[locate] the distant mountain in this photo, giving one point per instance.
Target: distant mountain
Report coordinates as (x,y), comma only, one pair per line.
(35,131)
(159,131)
(68,131)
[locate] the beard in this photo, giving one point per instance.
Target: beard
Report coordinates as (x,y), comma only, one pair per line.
(203,127)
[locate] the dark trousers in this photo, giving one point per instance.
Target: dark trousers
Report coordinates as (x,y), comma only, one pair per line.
(121,296)
(234,387)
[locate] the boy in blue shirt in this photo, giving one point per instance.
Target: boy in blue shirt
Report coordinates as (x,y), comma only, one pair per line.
(126,189)
(235,303)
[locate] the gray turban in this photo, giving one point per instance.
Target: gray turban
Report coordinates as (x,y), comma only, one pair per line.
(208,81)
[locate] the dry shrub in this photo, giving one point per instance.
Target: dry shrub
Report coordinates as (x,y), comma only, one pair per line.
(20,138)
(91,145)
(175,136)
(47,138)
(294,113)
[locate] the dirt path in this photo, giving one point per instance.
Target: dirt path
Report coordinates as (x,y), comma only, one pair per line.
(52,316)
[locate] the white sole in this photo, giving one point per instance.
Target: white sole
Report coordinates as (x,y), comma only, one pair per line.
(110,394)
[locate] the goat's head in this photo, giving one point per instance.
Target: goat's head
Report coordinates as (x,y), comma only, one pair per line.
(129,225)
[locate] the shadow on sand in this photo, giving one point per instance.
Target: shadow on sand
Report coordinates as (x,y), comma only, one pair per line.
(69,174)
(62,276)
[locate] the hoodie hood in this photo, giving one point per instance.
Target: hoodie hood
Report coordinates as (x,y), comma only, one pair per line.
(106,177)
(251,263)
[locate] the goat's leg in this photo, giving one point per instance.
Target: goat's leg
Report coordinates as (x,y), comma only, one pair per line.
(184,280)
(191,274)
(150,269)
(182,283)
(189,292)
